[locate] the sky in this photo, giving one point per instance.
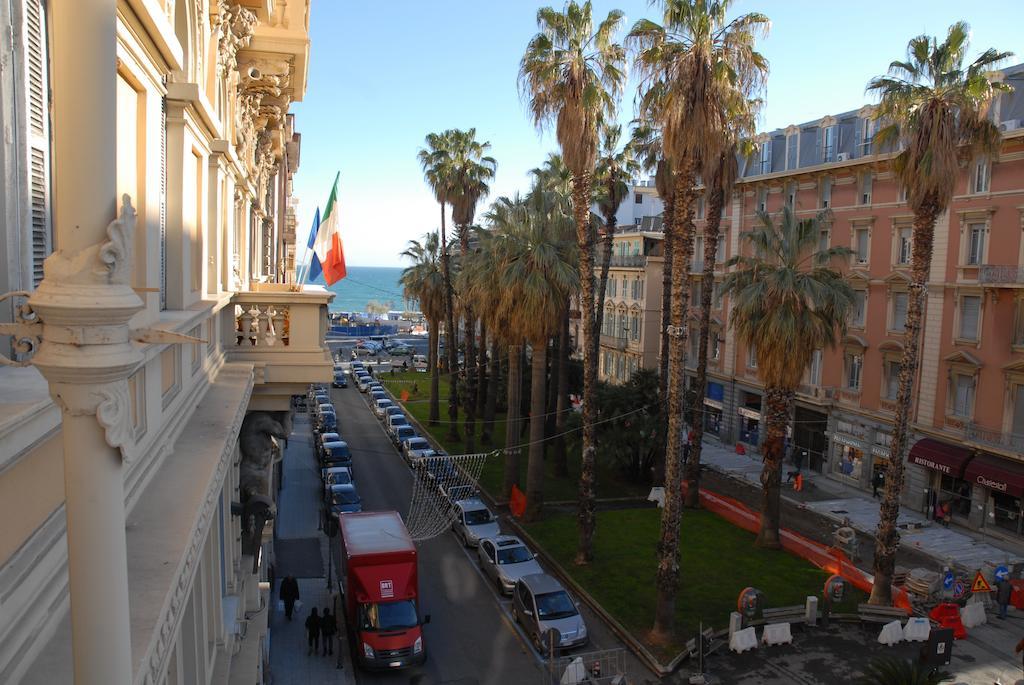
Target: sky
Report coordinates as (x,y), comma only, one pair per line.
(383,75)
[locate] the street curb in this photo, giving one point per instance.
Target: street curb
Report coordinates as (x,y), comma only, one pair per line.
(642,653)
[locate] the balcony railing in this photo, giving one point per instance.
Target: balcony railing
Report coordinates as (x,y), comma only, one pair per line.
(997,274)
(280,331)
(994,438)
(628,260)
(613,342)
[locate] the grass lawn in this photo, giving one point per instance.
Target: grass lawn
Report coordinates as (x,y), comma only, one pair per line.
(718,561)
(566,488)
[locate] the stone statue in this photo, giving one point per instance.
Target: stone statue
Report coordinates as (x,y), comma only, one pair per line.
(258,443)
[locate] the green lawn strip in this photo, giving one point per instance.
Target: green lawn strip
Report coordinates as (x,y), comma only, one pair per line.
(718,560)
(556,489)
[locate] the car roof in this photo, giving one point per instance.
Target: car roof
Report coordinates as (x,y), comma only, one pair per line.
(336,469)
(406,428)
(503,541)
(325,439)
(340,487)
(470,503)
(540,583)
(384,399)
(420,438)
(334,444)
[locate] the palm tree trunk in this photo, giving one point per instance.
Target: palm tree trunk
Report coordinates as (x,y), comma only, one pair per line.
(887,537)
(512,418)
(666,313)
(711,231)
(552,387)
(585,239)
(469,353)
(602,283)
(778,406)
(433,335)
(492,390)
(561,457)
(535,465)
(667,578)
(481,376)
(450,338)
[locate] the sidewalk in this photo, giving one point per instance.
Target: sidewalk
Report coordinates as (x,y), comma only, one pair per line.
(298,516)
(840,502)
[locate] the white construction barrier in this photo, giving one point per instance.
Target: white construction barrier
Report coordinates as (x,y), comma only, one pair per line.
(973,615)
(917,629)
(892,633)
(575,673)
(735,622)
(811,611)
(657,495)
(742,640)
(777,634)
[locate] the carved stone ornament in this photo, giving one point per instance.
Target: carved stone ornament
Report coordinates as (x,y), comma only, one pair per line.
(235,28)
(113,414)
(25,330)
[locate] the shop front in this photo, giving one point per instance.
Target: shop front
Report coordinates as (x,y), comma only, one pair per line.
(749,418)
(849,462)
(809,441)
(713,405)
(949,487)
(999,482)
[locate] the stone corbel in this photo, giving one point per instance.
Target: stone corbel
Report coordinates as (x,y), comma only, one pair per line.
(235,29)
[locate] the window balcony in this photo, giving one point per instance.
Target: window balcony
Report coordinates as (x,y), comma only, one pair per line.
(281,332)
(613,342)
(994,438)
(628,260)
(1007,276)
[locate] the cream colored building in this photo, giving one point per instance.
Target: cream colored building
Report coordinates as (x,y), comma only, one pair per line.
(147,168)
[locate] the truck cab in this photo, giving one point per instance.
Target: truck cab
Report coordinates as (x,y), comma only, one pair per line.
(381,594)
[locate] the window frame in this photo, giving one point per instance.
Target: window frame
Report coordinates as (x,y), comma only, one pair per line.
(956,372)
(855,231)
(829,143)
(853,358)
(981,176)
(860,323)
(825,192)
(898,259)
(890,325)
(865,188)
(958,337)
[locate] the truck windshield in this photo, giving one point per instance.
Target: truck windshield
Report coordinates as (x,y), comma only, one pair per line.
(554,605)
(386,616)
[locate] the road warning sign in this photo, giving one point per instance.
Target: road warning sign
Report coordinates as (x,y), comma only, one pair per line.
(980,584)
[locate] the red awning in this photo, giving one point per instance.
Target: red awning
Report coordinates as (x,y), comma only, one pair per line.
(939,456)
(996,473)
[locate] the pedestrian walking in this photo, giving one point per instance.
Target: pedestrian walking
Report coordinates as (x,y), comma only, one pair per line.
(877,481)
(328,628)
(289,594)
(1003,592)
(313,631)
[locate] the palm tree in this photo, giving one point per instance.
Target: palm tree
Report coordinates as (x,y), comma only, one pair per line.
(695,66)
(471,172)
(436,160)
(935,110)
(423,281)
(572,74)
(787,302)
(537,273)
(889,671)
(616,166)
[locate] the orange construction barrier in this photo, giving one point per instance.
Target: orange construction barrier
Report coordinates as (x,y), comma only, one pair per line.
(947,615)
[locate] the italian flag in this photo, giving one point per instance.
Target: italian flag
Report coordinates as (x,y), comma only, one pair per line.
(328,256)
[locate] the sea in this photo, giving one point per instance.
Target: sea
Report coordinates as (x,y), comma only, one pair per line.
(366,285)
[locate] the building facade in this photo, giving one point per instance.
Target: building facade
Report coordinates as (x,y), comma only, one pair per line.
(156,341)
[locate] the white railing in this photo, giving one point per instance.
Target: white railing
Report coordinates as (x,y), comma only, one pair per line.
(993,274)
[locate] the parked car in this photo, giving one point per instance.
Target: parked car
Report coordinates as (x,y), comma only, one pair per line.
(505,559)
(474,521)
(391,411)
(340,380)
(395,420)
(400,350)
(402,432)
(414,448)
(363,382)
(325,438)
(336,475)
(419,363)
(344,499)
(380,405)
(363,350)
(440,470)
(327,422)
(540,604)
(377,395)
(458,489)
(337,454)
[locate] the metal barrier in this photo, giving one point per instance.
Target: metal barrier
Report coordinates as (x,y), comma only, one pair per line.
(604,667)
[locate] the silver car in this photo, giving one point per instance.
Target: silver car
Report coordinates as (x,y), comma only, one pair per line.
(474,522)
(540,604)
(505,559)
(415,448)
(380,405)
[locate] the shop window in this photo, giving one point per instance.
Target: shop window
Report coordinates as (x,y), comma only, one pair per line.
(962,388)
(853,364)
(898,315)
(958,493)
(970,315)
(1006,512)
(850,462)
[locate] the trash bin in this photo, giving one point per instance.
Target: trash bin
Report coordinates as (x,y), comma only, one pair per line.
(939,648)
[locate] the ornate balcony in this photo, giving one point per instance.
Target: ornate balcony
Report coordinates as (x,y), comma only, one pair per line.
(281,332)
(612,342)
(628,260)
(994,438)
(1001,275)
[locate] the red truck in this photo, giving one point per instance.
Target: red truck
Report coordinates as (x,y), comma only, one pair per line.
(379,582)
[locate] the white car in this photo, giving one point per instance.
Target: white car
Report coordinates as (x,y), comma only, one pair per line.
(394,421)
(505,559)
(380,406)
(474,522)
(415,448)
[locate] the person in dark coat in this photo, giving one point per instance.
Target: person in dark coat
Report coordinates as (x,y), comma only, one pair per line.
(313,631)
(289,593)
(1003,592)
(328,628)
(877,481)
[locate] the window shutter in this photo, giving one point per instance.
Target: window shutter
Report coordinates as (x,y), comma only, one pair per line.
(37,104)
(163,203)
(858,138)
(970,308)
(899,311)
